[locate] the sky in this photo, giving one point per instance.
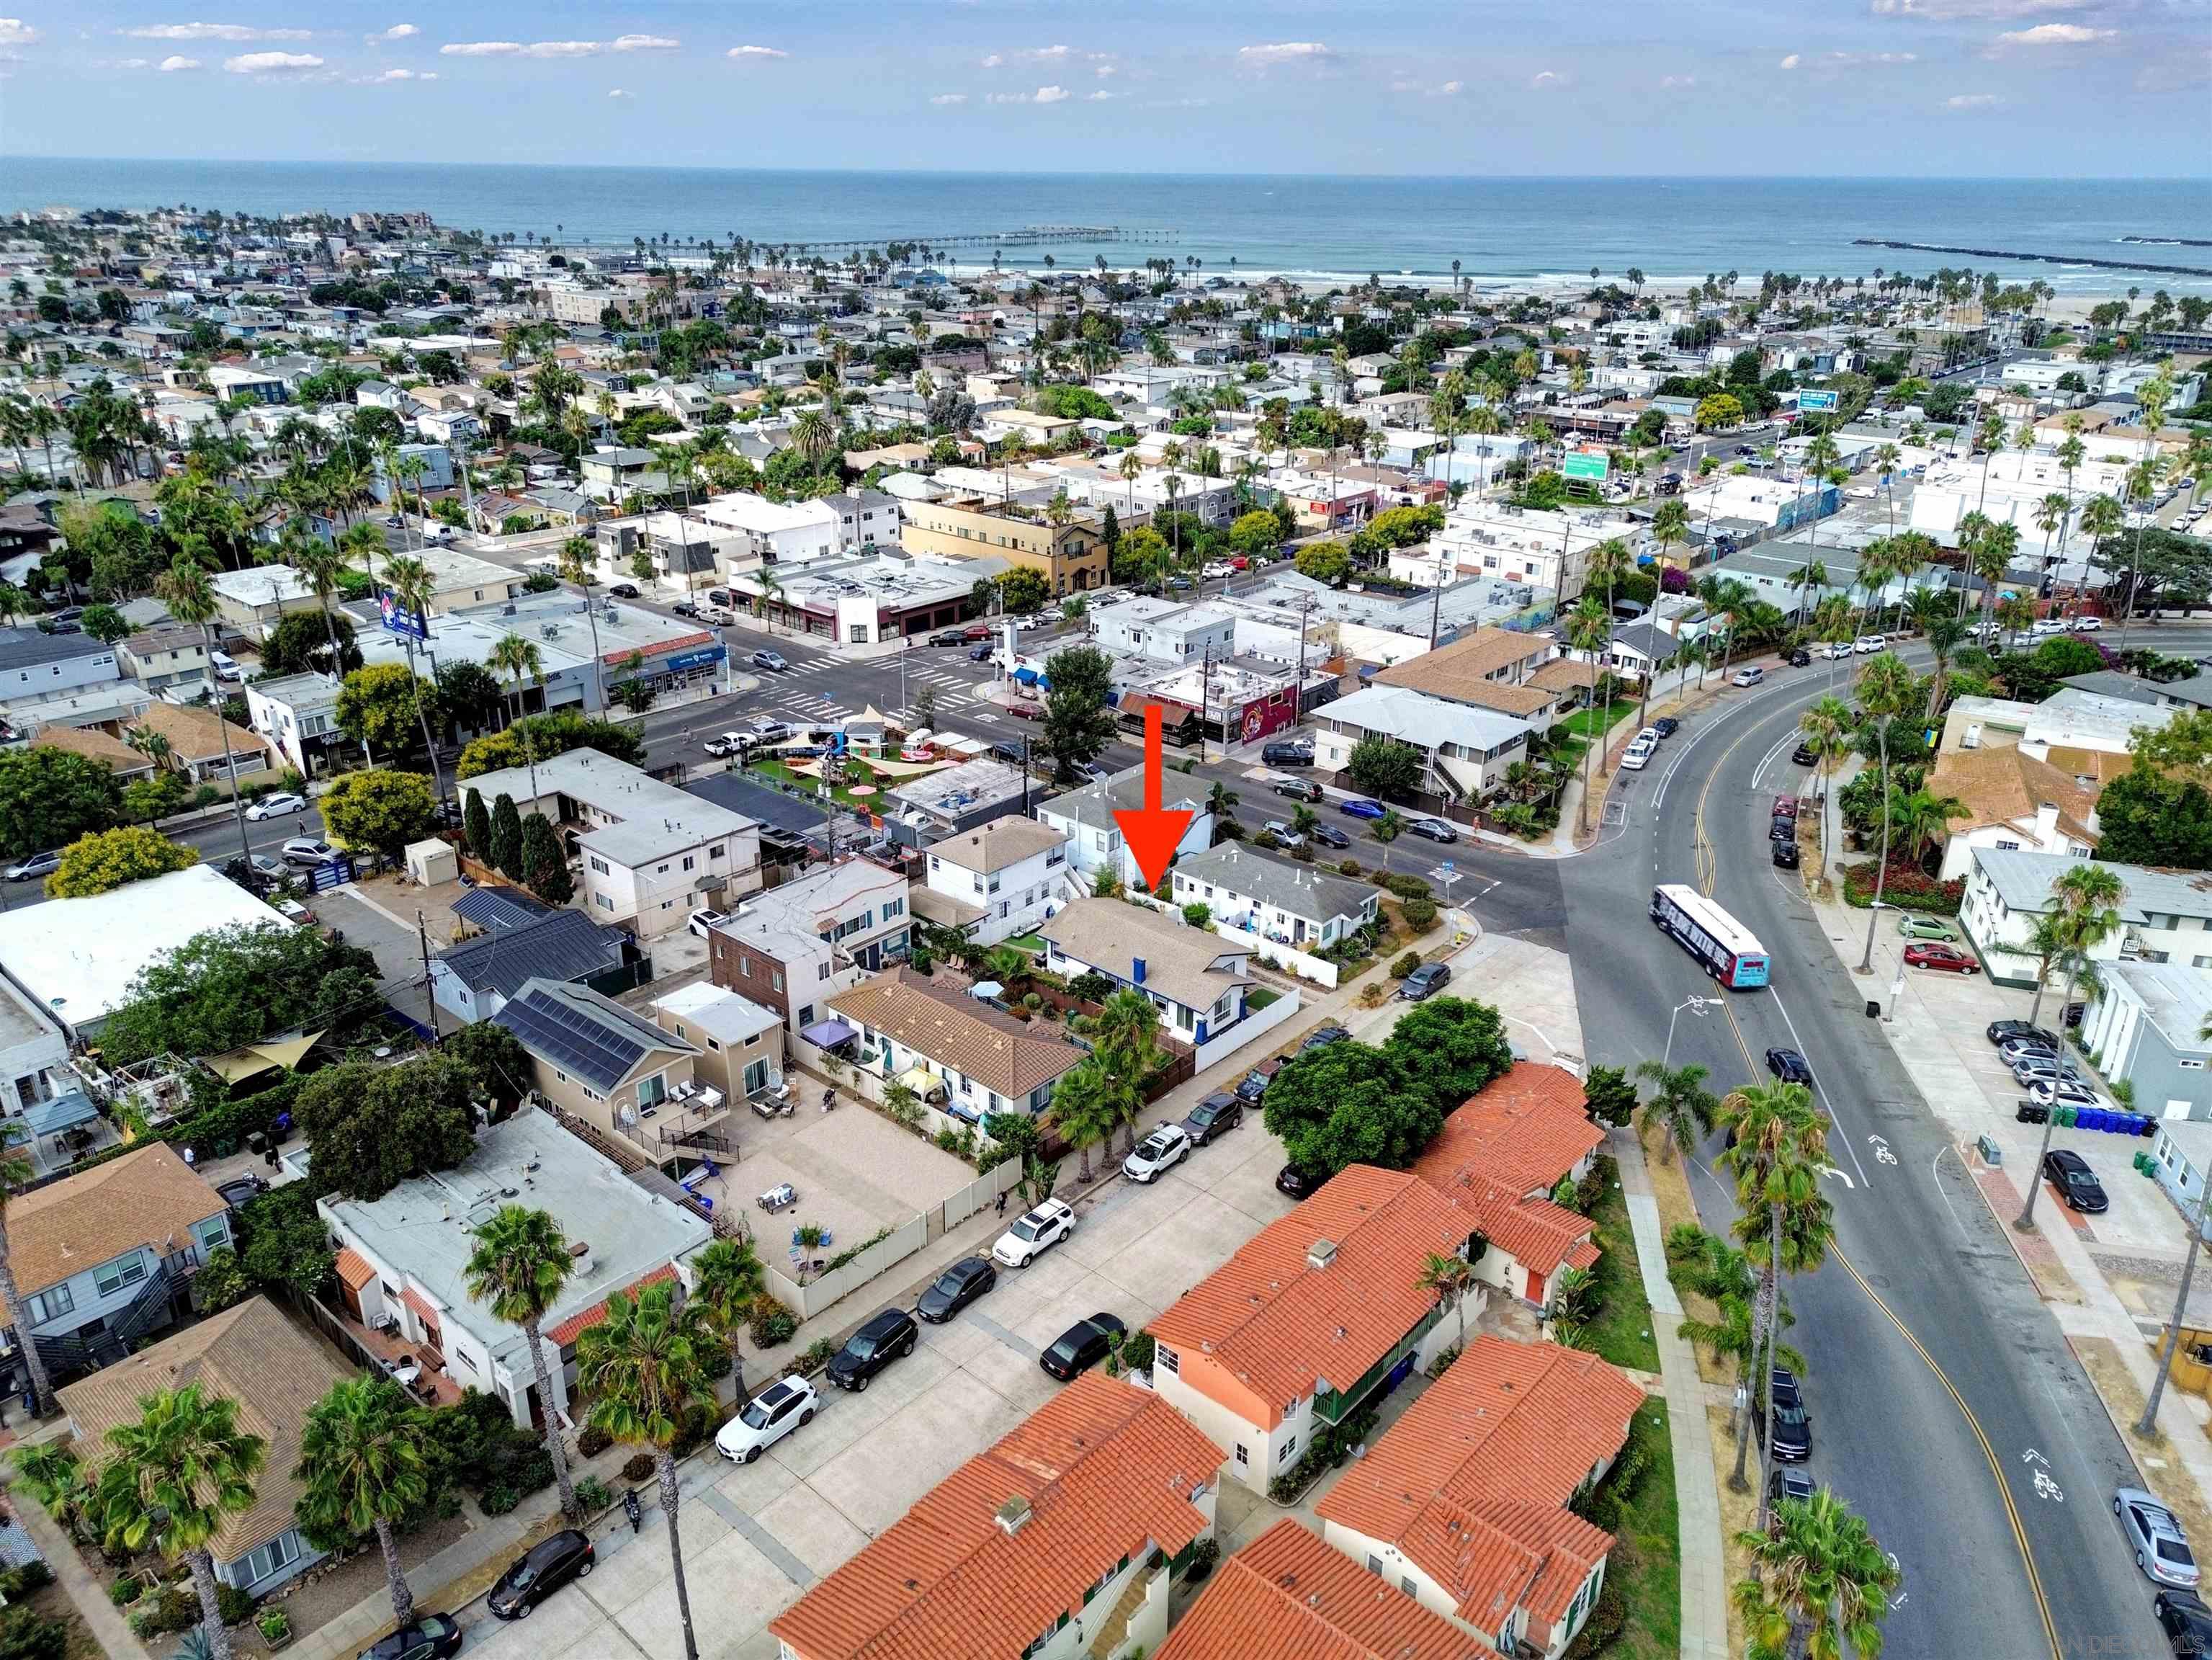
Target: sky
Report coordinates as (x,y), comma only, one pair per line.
(1866,87)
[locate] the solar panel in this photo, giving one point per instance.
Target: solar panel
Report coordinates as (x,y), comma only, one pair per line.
(571,1038)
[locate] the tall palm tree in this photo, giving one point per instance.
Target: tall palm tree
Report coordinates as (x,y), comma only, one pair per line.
(363,1459)
(517,1269)
(1826,727)
(1888,690)
(172,1479)
(1125,1038)
(187,590)
(575,561)
(1718,1271)
(1944,635)
(1449,1279)
(320,563)
(1083,1112)
(2086,900)
(726,1279)
(14,1170)
(643,1368)
(1681,1105)
(1590,628)
(1820,1584)
(518,660)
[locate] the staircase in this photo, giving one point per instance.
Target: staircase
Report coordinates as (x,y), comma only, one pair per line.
(151,1308)
(1115,1631)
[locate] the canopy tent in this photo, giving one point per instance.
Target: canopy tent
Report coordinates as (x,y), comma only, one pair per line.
(926,1084)
(64,1112)
(827,1034)
(235,1066)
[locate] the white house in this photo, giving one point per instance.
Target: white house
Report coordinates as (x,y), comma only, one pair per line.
(1001,879)
(1465,751)
(1198,980)
(1085,818)
(775,533)
(2166,916)
(2012,801)
(1301,906)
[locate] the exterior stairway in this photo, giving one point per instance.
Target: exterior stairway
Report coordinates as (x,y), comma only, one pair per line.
(1115,1631)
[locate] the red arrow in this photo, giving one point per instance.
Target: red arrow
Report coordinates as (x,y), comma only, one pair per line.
(1153,834)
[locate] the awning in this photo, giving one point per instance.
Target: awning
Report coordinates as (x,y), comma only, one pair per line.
(827,1034)
(1028,677)
(235,1066)
(64,1112)
(924,1083)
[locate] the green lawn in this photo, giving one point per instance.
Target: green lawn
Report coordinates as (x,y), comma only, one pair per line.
(1585,723)
(1032,943)
(1621,1333)
(856,772)
(1256,1000)
(1647,1564)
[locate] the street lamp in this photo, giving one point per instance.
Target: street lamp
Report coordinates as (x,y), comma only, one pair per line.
(1697,1006)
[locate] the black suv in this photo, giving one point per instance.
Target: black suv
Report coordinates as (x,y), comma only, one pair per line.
(432,1637)
(1793,1425)
(1216,1115)
(1287,755)
(1788,1066)
(889,1336)
(547,1567)
(1082,1346)
(1998,1030)
(2077,1183)
(955,1288)
(1786,856)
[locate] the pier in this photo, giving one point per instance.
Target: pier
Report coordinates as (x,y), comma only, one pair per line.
(2039,259)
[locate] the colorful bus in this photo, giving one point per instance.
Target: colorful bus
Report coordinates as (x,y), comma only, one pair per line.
(1708,933)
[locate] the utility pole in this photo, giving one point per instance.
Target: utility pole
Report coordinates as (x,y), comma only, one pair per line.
(429,996)
(2147,1425)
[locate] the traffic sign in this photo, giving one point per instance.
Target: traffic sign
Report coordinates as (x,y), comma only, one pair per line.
(1594,468)
(1816,403)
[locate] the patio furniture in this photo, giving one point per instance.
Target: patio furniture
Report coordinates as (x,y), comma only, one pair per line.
(824,1240)
(781,1197)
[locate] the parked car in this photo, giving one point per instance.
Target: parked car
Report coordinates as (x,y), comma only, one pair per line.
(1782,829)
(1023,709)
(540,1571)
(1034,1233)
(1785,806)
(1799,657)
(1946,959)
(1216,1115)
(1252,1087)
(1296,789)
(1295,1183)
(721,617)
(293,912)
(1214,568)
(955,1289)
(703,922)
(1330,836)
(1287,754)
(1788,1066)
(981,652)
(1283,833)
(37,865)
(1927,927)
(1324,1037)
(774,662)
(1792,1441)
(1665,725)
(429,1636)
(948,637)
(2077,1184)
(276,806)
(2154,1534)
(1998,1030)
(1165,1147)
(242,1190)
(772,731)
(685,608)
(1786,856)
(1782,1484)
(1637,755)
(1835,649)
(730,743)
(1433,829)
(1425,981)
(1082,1346)
(889,1336)
(624,590)
(766,1419)
(1360,807)
(1750,676)
(307,850)
(975,631)
(2087,625)
(1804,755)
(1867,644)
(2185,1621)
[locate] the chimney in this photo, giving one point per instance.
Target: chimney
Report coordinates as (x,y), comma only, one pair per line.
(2046,822)
(1137,969)
(579,1258)
(1321,1253)
(1013,1515)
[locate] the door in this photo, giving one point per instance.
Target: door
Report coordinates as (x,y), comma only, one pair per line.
(756,1077)
(1535,1286)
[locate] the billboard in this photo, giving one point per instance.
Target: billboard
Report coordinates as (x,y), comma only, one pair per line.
(1580,464)
(1817,403)
(399,619)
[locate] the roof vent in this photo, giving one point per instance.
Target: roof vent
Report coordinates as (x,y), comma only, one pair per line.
(1013,1515)
(1321,1253)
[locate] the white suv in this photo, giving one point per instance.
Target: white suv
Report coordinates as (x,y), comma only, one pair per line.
(1031,1235)
(766,1419)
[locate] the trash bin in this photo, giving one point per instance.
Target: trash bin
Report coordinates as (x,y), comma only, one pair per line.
(1874,1009)
(256,1142)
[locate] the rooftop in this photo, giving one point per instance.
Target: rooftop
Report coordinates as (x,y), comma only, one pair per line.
(654,819)
(1094,806)
(722,1015)
(1460,671)
(1191,965)
(577,1030)
(144,1197)
(1300,890)
(813,903)
(563,945)
(959,1031)
(996,845)
(1524,1132)
(2007,785)
(1427,723)
(2023,881)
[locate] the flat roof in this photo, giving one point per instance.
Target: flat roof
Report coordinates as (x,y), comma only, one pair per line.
(654,819)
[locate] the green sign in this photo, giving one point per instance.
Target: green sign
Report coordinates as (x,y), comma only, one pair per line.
(1592,468)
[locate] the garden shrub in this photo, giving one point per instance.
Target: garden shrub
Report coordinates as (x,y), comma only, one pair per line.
(125,1591)
(497,1501)
(594,1494)
(26,1634)
(18,1583)
(593,1442)
(1405,965)
(1421,914)
(1907,886)
(771,1323)
(638,1467)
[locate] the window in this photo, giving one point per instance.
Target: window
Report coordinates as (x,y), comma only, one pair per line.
(1374,1564)
(110,1277)
(775,979)
(599,865)
(51,1304)
(2007,847)
(1243,1457)
(278,1553)
(652,1091)
(603,902)
(689,861)
(822,970)
(894,908)
(1283,1452)
(1165,1357)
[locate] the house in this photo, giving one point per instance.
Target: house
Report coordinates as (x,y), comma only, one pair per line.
(251,1355)
(955,1052)
(199,738)
(2165,915)
(105,1256)
(1500,1156)
(2013,801)
(1198,981)
(253,600)
(651,853)
(1085,818)
(793,947)
(757,530)
(122,761)
(1167,630)
(473,980)
(1002,880)
(1287,1593)
(1071,557)
(617,471)
(34,1057)
(1487,668)
(740,1043)
(2145,1025)
(1466,1495)
(1465,751)
(403,1259)
(1301,906)
(1316,1316)
(592,1057)
(866,519)
(1063,1540)
(168,655)
(1638,650)
(35,667)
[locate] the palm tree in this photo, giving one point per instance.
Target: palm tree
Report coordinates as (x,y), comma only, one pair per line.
(412,585)
(1221,801)
(1590,628)
(727,1280)
(172,1479)
(1826,729)
(320,563)
(1083,1112)
(519,1268)
(1887,690)
(1681,1105)
(2086,900)
(813,437)
(363,1459)
(1718,1271)
(186,590)
(1944,635)
(1124,1039)
(1820,1584)
(51,1474)
(647,1378)
(575,558)
(1450,1279)
(1923,822)
(2141,485)
(518,660)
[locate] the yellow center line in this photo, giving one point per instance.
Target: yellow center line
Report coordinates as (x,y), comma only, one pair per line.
(1708,873)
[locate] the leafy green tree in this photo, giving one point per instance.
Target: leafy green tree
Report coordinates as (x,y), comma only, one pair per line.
(2144,817)
(50,797)
(468,695)
(1022,589)
(475,827)
(544,868)
(1255,534)
(1324,562)
(376,706)
(1078,723)
(226,987)
(518,1270)
(105,624)
(1451,1046)
(506,837)
(495,1055)
(364,1465)
(1350,1104)
(378,811)
(1384,767)
(1611,1099)
(288,1245)
(112,858)
(301,640)
(370,1128)
(547,735)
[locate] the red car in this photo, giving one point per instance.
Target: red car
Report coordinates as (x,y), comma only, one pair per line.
(1948,959)
(1021,711)
(1785,806)
(978,631)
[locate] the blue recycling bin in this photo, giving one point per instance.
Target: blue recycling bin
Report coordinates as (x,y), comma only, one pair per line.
(2092,1118)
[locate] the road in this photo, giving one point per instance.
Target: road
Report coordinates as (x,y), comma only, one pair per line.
(1938,1384)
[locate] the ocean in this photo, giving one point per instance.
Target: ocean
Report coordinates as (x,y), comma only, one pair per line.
(1497,229)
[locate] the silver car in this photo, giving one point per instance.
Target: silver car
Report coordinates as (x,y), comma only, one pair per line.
(2154,1534)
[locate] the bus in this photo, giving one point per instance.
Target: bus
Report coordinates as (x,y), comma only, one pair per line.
(1708,933)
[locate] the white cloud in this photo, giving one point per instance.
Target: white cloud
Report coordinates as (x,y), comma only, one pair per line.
(398,31)
(480,48)
(1873,58)
(517,49)
(132,64)
(271,62)
(15,32)
(994,61)
(1449,89)
(392,76)
(743,52)
(1048,51)
(1050,94)
(617,93)
(2055,34)
(1098,97)
(1676,83)
(1789,62)
(1545,79)
(645,43)
(212,32)
(1286,51)
(944,98)
(1971,101)
(178,65)
(1105,70)
(1041,96)
(564,49)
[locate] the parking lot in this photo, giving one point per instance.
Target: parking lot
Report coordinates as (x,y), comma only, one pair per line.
(756,1536)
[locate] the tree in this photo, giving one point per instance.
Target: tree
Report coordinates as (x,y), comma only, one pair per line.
(304,641)
(1887,691)
(1078,722)
(171,1481)
(1255,534)
(15,1172)
(549,735)
(2085,913)
(226,987)
(1384,767)
(1084,1110)
(507,837)
(1452,1048)
(646,1380)
(1449,1279)
(1022,589)
(50,797)
(288,1245)
(475,827)
(495,1055)
(376,706)
(378,811)
(1681,1105)
(1826,729)
(1324,562)
(1125,1042)
(105,624)
(726,1279)
(1718,412)
(112,858)
(1820,1584)
(2144,817)
(1347,1103)
(518,1270)
(1610,1097)
(1718,1271)
(364,1466)
(370,1128)
(544,867)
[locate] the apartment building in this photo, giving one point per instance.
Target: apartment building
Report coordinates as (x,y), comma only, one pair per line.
(793,948)
(1071,557)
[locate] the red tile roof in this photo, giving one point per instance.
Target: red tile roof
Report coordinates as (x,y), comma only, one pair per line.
(1534,1232)
(1276,1323)
(584,1319)
(425,1309)
(1526,1131)
(1471,1484)
(354,1269)
(1288,1597)
(1106,1469)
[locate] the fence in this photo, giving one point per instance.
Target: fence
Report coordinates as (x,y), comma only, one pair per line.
(810,1297)
(1250,1029)
(983,1190)
(1319,970)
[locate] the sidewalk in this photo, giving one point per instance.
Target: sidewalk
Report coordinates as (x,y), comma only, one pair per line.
(86,1595)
